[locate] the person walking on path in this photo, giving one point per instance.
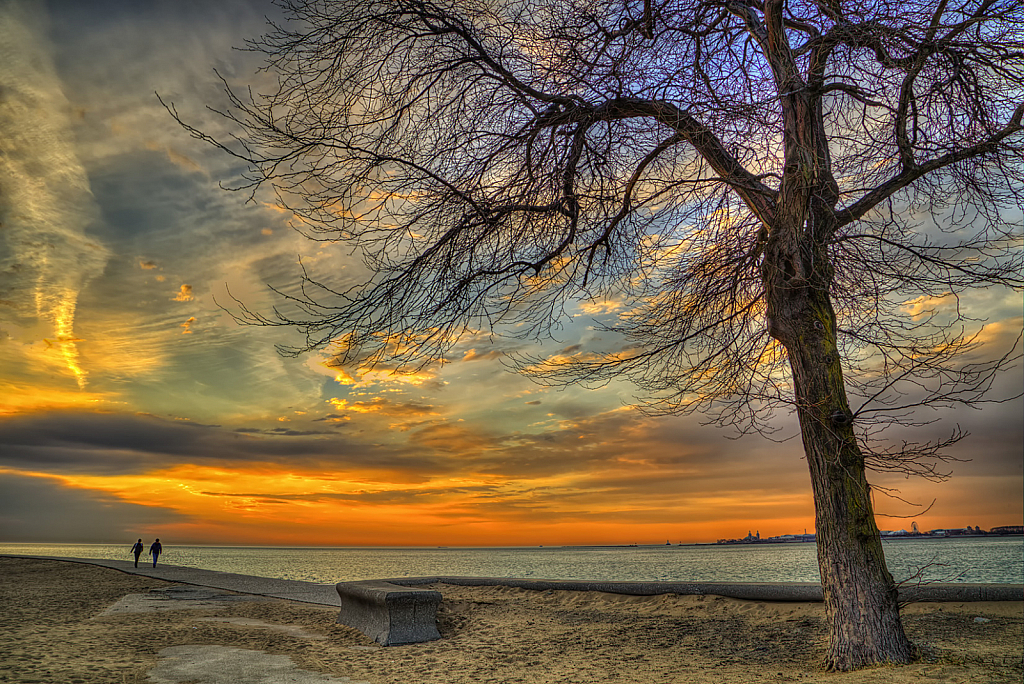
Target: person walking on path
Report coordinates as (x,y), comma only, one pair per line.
(154,550)
(137,550)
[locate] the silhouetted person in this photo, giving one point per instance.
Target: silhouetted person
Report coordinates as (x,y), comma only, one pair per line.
(137,550)
(154,550)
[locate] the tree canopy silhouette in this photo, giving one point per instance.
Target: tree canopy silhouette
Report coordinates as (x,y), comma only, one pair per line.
(784,191)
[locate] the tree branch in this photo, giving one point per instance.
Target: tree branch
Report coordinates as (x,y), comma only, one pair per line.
(908,176)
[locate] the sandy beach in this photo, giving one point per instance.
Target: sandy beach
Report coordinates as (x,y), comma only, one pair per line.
(69,622)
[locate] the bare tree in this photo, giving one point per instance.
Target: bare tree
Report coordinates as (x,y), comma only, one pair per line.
(784,190)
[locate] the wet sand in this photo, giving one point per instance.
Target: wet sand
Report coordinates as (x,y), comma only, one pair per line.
(57,625)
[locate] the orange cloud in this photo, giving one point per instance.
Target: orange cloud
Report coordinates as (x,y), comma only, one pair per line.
(472,355)
(926,305)
(383,406)
(367,377)
(184,294)
(15,398)
(597,307)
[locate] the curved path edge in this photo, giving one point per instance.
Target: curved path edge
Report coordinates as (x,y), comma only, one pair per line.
(752,591)
(326,594)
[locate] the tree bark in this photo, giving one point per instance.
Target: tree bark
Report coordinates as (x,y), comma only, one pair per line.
(860,594)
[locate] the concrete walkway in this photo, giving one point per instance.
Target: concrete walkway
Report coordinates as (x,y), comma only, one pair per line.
(293,590)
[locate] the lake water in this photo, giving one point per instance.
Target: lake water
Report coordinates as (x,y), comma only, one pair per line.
(983,560)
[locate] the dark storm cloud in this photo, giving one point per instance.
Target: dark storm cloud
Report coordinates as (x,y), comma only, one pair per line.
(102,431)
(106,443)
(38,509)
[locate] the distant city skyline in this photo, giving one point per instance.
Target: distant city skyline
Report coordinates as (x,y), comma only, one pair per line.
(951,532)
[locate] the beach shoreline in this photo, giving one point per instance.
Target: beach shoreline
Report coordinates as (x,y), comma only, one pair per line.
(53,628)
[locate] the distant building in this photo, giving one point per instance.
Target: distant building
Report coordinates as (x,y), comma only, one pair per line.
(939,533)
(790,538)
(957,532)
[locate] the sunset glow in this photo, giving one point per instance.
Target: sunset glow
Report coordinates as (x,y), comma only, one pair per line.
(133,404)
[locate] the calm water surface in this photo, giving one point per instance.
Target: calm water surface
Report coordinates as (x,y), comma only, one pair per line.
(993,560)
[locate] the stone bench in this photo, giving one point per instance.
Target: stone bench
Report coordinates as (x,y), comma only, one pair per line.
(388,613)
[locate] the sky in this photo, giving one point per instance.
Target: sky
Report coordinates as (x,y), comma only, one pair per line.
(132,405)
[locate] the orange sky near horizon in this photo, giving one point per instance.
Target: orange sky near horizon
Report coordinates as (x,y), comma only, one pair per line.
(277,507)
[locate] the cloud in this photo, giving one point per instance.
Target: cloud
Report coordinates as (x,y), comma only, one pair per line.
(454,439)
(474,355)
(927,305)
(22,395)
(282,431)
(178,159)
(42,509)
(46,205)
(184,294)
(363,378)
(87,443)
(384,406)
(601,307)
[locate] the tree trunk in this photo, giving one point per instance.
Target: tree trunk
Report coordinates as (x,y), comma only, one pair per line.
(860,594)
